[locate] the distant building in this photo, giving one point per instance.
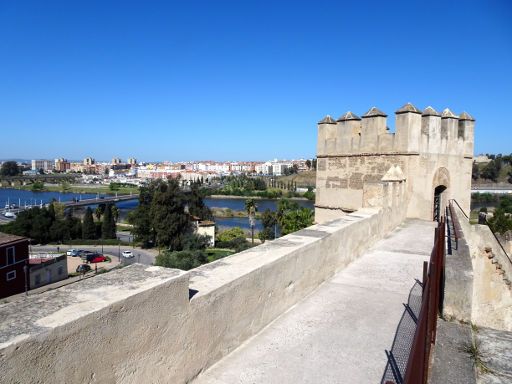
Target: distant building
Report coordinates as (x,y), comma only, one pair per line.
(264,169)
(132,161)
(279,167)
(89,161)
(13,259)
(45,165)
(116,161)
(43,271)
(481,159)
(205,228)
(62,165)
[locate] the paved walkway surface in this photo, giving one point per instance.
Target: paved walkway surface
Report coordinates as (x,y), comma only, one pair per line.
(339,333)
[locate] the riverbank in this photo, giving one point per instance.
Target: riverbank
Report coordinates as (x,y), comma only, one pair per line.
(79,188)
(234,197)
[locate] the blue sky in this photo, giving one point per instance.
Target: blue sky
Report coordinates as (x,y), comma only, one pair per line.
(241,80)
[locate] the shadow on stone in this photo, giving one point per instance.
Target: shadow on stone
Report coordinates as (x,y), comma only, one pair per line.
(404,335)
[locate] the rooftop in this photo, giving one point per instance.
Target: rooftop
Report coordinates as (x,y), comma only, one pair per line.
(6,238)
(349,116)
(374,112)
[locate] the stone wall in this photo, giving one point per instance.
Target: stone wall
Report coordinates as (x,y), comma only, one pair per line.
(458,287)
(158,325)
(492,297)
(431,149)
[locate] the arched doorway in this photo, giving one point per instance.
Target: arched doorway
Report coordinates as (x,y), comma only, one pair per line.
(441,185)
(438,202)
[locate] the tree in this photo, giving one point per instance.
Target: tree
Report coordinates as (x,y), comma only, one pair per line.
(259,184)
(74,225)
(475,172)
(251,208)
(88,226)
(184,260)
(196,205)
(501,221)
(9,168)
(231,234)
(141,219)
(100,210)
(169,219)
(115,212)
(233,238)
(313,164)
(269,221)
(37,186)
(291,217)
(490,171)
(108,225)
(308,164)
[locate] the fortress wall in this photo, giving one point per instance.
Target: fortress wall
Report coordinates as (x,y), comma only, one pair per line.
(492,299)
(341,179)
(138,325)
(361,150)
(423,172)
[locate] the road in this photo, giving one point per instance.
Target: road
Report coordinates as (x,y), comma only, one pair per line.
(143,256)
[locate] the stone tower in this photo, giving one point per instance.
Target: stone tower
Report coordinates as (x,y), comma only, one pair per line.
(431,153)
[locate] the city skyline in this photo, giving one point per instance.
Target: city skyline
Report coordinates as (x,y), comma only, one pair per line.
(240,81)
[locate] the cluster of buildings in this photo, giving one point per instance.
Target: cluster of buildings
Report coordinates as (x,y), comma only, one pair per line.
(87,166)
(132,171)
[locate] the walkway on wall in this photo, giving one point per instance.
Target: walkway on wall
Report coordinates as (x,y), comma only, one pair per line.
(339,333)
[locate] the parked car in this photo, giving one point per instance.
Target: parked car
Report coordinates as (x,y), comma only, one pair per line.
(128,254)
(85,254)
(73,252)
(96,258)
(83,268)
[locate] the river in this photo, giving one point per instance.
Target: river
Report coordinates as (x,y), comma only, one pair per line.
(22,198)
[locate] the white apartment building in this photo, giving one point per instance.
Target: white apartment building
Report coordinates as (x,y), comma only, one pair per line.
(45,165)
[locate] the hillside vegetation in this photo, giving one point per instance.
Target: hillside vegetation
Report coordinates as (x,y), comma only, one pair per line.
(498,170)
(303,179)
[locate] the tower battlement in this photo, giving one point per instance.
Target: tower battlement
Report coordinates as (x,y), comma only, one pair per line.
(416,131)
(433,150)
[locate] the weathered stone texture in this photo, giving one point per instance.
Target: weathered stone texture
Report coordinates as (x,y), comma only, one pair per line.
(423,145)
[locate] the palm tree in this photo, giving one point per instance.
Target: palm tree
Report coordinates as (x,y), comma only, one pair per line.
(115,212)
(98,212)
(251,208)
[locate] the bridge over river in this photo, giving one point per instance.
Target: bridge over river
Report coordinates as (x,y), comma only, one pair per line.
(100,200)
(68,204)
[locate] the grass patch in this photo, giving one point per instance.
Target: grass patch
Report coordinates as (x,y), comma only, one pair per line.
(475,354)
(93,242)
(218,253)
(473,217)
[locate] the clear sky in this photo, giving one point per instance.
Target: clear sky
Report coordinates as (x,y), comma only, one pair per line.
(240,80)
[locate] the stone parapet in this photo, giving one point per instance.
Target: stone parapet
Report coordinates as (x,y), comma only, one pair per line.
(458,285)
(158,325)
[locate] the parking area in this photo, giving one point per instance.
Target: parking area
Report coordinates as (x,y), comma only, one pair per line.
(74,262)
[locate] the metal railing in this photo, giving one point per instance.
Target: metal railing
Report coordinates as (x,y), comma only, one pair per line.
(416,370)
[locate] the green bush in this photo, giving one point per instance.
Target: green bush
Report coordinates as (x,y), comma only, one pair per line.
(230,234)
(184,260)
